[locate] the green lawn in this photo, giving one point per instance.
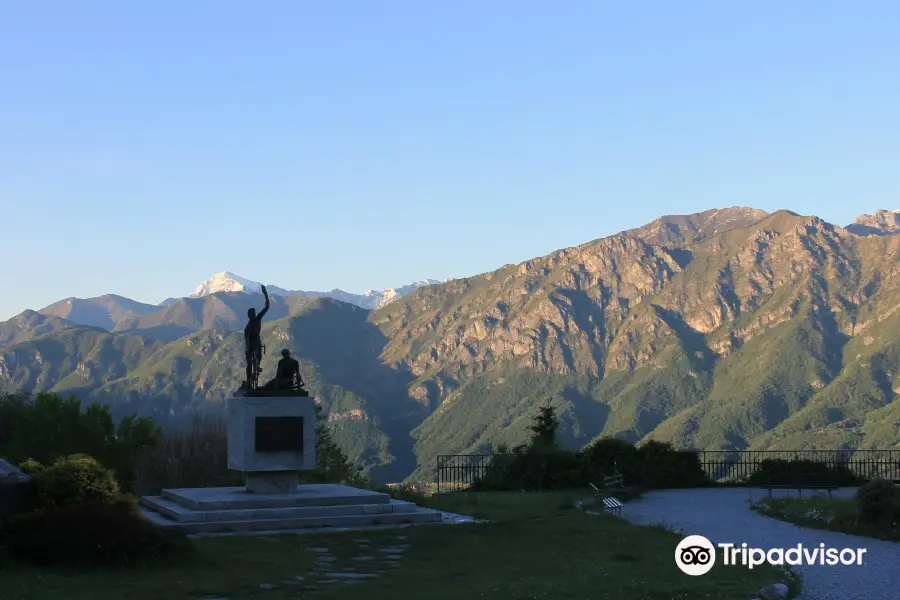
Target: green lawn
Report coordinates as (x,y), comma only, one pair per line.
(821,512)
(536,548)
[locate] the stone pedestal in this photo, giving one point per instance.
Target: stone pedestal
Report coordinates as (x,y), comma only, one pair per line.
(271,440)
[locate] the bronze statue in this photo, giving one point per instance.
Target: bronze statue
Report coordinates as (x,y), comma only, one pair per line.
(287,380)
(288,375)
(253,347)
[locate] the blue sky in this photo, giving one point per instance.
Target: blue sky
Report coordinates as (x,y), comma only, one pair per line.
(144,146)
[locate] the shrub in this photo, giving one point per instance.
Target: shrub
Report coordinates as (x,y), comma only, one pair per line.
(606,455)
(31,466)
(545,471)
(659,465)
(813,472)
(75,480)
(878,502)
(542,464)
(25,421)
(96,534)
(653,465)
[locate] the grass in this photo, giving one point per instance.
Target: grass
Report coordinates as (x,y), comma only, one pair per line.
(537,547)
(821,512)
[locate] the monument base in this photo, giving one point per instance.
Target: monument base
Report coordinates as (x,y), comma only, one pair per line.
(272,482)
(268,434)
(313,506)
(271,439)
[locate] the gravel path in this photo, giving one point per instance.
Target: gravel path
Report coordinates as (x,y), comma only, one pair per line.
(723,515)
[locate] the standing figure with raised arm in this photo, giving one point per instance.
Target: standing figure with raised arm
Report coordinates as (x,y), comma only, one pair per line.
(253,347)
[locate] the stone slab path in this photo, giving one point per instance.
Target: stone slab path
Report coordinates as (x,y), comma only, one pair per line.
(370,563)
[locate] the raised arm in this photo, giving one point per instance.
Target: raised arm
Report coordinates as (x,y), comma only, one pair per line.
(263,312)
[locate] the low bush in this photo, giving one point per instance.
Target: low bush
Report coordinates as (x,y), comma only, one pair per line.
(652,465)
(658,465)
(74,480)
(31,466)
(608,455)
(811,472)
(878,503)
(94,534)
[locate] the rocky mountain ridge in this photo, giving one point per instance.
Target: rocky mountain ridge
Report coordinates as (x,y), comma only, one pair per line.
(725,329)
(883,222)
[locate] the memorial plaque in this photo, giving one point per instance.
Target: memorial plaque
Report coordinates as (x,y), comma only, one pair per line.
(279,434)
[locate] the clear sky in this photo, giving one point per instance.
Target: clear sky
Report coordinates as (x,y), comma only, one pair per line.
(352,144)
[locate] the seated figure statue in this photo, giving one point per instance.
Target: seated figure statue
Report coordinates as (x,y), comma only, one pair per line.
(287,377)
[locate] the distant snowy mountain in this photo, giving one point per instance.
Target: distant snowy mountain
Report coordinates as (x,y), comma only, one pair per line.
(226,281)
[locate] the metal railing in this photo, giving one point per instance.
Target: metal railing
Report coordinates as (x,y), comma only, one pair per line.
(738,465)
(459,471)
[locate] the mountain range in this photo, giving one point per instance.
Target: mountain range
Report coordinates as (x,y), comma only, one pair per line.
(117,313)
(726,329)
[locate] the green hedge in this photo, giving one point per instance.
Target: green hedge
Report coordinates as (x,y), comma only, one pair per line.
(652,465)
(878,504)
(801,471)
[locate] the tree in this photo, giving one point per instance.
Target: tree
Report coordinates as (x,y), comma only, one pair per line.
(47,426)
(332,465)
(544,428)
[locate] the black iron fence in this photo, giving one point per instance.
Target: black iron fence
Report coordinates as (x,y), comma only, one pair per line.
(735,466)
(459,471)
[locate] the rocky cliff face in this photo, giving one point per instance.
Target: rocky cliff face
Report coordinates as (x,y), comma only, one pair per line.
(883,222)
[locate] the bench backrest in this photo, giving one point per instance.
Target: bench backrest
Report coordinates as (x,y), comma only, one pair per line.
(616,479)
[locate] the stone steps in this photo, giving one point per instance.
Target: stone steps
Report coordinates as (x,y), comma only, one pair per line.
(183,514)
(418,516)
(233,510)
(227,498)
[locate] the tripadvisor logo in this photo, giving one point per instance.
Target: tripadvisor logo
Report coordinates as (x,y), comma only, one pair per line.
(696,555)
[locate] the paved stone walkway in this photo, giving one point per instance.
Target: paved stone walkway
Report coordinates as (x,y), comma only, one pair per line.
(723,515)
(370,563)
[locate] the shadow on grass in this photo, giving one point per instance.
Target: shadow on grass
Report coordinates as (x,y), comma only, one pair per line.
(536,546)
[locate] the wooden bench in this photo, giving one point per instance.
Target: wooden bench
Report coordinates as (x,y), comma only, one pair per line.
(614,482)
(610,503)
(799,487)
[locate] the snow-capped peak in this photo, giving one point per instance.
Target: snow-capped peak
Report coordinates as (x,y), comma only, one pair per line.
(226,282)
